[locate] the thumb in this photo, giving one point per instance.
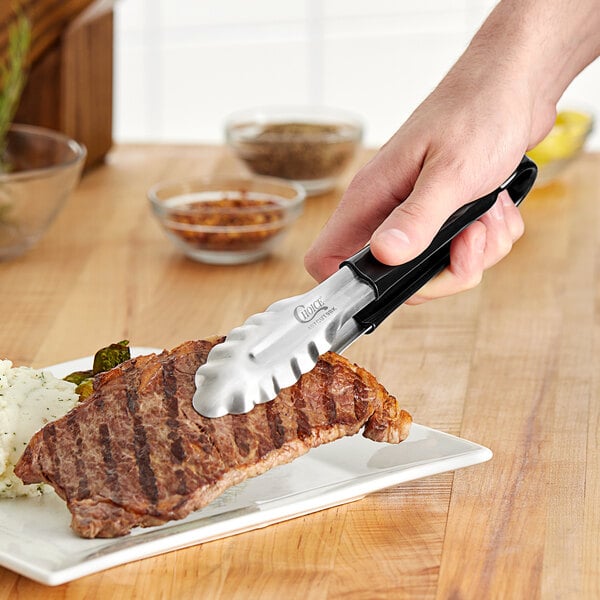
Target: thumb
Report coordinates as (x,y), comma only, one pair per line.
(411,226)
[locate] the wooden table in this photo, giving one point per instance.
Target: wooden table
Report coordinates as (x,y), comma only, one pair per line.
(513,364)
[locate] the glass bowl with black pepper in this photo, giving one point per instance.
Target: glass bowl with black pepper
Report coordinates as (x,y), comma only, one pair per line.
(227,220)
(312,146)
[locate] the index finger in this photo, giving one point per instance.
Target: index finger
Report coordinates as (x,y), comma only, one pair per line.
(374,192)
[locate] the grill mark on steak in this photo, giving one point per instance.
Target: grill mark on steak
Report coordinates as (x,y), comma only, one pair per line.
(50,440)
(241,436)
(206,439)
(182,488)
(316,395)
(172,404)
(261,433)
(146,476)
(276,427)
(112,475)
(303,429)
(176,446)
(216,440)
(149,457)
(361,407)
(83,490)
(329,407)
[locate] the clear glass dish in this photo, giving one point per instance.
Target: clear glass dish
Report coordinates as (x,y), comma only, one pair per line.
(39,168)
(226,220)
(312,146)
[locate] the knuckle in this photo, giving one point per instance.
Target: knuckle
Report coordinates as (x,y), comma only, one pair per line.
(501,247)
(518,229)
(474,279)
(414,211)
(505,244)
(362,180)
(414,217)
(466,280)
(312,264)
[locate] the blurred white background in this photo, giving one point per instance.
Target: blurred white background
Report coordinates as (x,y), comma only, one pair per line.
(183,65)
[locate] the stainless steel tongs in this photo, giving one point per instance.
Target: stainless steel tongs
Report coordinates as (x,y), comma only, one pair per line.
(273,349)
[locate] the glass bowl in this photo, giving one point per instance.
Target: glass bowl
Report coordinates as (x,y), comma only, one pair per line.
(311,146)
(227,220)
(39,168)
(562,145)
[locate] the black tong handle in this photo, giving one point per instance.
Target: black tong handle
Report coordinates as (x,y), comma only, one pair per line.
(395,285)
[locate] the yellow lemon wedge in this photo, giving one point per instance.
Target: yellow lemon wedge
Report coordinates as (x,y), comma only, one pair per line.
(564,140)
(575,122)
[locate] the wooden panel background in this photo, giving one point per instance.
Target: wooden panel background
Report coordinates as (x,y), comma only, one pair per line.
(70,82)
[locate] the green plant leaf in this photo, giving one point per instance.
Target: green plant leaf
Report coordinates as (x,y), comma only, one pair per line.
(13,73)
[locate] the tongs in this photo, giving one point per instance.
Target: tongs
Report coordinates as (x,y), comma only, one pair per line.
(273,349)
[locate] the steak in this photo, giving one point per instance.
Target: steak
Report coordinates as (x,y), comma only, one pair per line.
(136,453)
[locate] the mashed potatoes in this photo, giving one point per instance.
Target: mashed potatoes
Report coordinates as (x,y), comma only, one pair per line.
(29,399)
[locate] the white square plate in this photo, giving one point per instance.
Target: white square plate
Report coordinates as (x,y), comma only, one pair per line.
(36,540)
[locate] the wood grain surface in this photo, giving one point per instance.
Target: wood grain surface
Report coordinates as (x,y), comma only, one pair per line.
(512,364)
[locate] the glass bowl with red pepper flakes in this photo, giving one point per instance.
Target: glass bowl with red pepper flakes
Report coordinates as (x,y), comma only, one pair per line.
(312,146)
(227,220)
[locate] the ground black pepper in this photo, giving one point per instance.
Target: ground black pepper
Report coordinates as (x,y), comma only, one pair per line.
(294,150)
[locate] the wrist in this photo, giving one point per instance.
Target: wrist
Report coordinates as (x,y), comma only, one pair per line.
(534,49)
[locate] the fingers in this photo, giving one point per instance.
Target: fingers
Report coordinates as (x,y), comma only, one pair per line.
(505,226)
(466,266)
(411,226)
(443,186)
(373,193)
(402,197)
(481,245)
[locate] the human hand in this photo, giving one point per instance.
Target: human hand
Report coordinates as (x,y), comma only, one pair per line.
(461,143)
(456,147)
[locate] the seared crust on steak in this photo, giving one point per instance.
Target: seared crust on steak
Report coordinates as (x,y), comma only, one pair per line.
(136,453)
